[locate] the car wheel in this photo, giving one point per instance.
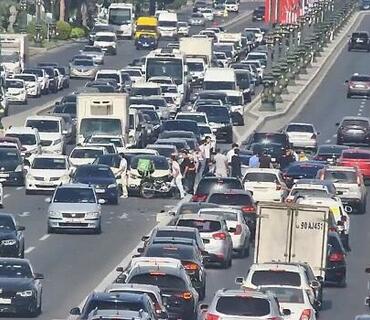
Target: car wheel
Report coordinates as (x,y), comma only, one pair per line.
(21,254)
(349,95)
(342,283)
(202,293)
(39,308)
(98,229)
(114,200)
(363,208)
(50,230)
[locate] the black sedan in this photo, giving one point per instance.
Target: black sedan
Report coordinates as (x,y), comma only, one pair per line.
(329,153)
(146,41)
(100,176)
(301,170)
(190,258)
(21,289)
(11,237)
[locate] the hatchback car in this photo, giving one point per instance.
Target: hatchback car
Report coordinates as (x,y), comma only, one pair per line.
(359,40)
(74,206)
(302,135)
(102,178)
(353,130)
(215,235)
(301,170)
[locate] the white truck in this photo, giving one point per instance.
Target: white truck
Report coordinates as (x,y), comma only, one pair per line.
(198,54)
(121,17)
(14,51)
(167,24)
(292,233)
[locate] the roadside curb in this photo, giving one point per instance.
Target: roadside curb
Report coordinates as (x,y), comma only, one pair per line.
(40,51)
(312,83)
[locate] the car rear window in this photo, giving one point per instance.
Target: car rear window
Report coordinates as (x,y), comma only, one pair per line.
(243,306)
(356,155)
(207,186)
(227,215)
(286,295)
(170,251)
(360,35)
(275,137)
(360,78)
(159,279)
(355,122)
(299,128)
(230,199)
(271,277)
(175,234)
(336,176)
(306,170)
(260,177)
(201,225)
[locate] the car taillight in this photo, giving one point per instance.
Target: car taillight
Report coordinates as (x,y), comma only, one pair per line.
(211,316)
(200,197)
(219,236)
(248,209)
(358,180)
(336,257)
(185,295)
(306,314)
(191,266)
(238,230)
(313,136)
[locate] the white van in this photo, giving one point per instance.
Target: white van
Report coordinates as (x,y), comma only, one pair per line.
(167,24)
(51,130)
(220,79)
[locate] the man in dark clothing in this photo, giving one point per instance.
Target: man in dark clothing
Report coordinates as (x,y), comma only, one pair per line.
(286,159)
(190,174)
(265,160)
(236,165)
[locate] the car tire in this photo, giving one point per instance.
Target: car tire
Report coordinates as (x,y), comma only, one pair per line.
(363,208)
(349,48)
(114,201)
(202,293)
(50,230)
(98,229)
(39,308)
(349,96)
(342,283)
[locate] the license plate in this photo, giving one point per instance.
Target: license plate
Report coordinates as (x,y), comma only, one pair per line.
(4,175)
(74,220)
(100,190)
(5,301)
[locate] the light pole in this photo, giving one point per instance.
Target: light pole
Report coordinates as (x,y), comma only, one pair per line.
(38,26)
(52,27)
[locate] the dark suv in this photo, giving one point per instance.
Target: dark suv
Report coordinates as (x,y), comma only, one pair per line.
(360,41)
(353,130)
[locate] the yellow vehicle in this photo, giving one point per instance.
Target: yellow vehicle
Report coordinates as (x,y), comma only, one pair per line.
(146,25)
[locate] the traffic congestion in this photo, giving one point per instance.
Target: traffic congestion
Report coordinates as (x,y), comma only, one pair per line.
(264,228)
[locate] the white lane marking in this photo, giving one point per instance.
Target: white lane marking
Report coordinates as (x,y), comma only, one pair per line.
(363,102)
(334,135)
(24,214)
(44,237)
(327,140)
(29,249)
(361,107)
(359,113)
(47,199)
(108,222)
(19,188)
(123,216)
(7,195)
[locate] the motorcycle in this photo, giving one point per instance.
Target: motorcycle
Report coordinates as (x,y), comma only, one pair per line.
(151,186)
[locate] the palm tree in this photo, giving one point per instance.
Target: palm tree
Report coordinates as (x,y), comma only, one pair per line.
(62,10)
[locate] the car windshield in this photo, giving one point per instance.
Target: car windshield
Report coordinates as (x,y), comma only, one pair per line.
(108,76)
(165,67)
(182,24)
(6,223)
(93,171)
(196,117)
(85,63)
(25,139)
(170,251)
(207,186)
(243,305)
(219,85)
(233,199)
(8,155)
(175,234)
(86,153)
(278,277)
(260,177)
(49,163)
(17,269)
(215,114)
(159,279)
(267,137)
(205,130)
(203,225)
(299,128)
(286,295)
(160,163)
(109,160)
(74,195)
(92,49)
(356,155)
(337,176)
(37,72)
(68,107)
(116,141)
(146,91)
(164,151)
(44,125)
(105,39)
(332,150)
(14,84)
(304,170)
(195,66)
(360,78)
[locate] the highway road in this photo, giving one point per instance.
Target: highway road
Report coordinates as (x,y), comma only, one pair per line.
(74,264)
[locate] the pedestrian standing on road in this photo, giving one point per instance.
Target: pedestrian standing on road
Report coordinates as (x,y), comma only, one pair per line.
(221,164)
(236,165)
(302,156)
(190,174)
(254,161)
(286,159)
(177,177)
(122,173)
(231,152)
(205,148)
(265,160)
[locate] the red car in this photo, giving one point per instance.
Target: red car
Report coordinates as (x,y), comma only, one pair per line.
(354,157)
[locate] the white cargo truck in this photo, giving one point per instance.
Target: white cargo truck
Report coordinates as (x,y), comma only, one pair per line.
(14,51)
(292,233)
(103,114)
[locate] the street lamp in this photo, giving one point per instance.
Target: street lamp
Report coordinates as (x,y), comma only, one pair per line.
(52,27)
(38,26)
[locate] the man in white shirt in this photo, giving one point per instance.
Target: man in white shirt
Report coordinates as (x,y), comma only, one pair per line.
(231,152)
(221,165)
(177,176)
(122,171)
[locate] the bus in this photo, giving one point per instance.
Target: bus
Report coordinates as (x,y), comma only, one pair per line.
(121,17)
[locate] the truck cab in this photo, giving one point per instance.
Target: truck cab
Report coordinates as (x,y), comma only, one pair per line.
(146,25)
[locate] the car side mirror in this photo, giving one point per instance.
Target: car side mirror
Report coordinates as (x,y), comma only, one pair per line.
(144,238)
(337,124)
(286,312)
(203,307)
(239,280)
(21,228)
(75,311)
(314,284)
(346,81)
(119,269)
(38,276)
(140,250)
(367,270)
(101,201)
(320,278)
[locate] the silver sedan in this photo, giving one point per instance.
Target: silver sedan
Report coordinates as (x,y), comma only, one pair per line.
(81,68)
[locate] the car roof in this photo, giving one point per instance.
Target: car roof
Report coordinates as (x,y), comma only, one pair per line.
(160,146)
(221,209)
(243,292)
(355,118)
(316,182)
(126,296)
(133,286)
(44,117)
(340,168)
(276,266)
(176,228)
(50,156)
(88,148)
(300,124)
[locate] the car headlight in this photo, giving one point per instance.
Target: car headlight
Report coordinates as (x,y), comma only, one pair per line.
(9,242)
(111,186)
(53,214)
(92,215)
(26,293)
(19,168)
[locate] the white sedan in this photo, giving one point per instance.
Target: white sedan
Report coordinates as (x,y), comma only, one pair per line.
(302,135)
